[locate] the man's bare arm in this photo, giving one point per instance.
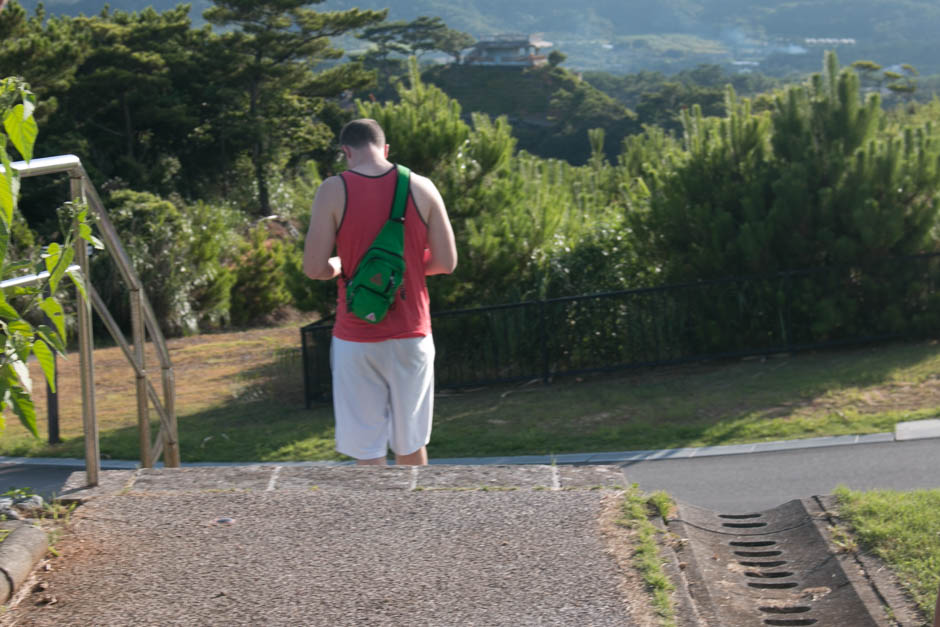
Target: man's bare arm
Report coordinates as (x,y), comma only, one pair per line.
(441,244)
(321,236)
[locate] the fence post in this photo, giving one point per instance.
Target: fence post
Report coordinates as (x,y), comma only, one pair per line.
(788,304)
(304,357)
(543,338)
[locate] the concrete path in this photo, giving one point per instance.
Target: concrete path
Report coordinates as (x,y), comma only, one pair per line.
(295,545)
(469,542)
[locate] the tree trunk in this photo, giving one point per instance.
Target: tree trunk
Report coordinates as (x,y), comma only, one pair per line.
(128,127)
(264,200)
(257,154)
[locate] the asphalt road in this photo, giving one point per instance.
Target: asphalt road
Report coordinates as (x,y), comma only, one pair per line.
(755,482)
(727,483)
(45,481)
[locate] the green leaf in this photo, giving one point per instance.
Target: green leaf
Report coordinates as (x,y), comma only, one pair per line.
(46,359)
(7,311)
(51,338)
(53,309)
(51,256)
(29,103)
(22,129)
(9,189)
(79,280)
(63,263)
(22,406)
(22,374)
(20,326)
(4,238)
(84,231)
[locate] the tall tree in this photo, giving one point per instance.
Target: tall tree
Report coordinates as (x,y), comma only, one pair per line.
(809,184)
(125,101)
(278,45)
(393,41)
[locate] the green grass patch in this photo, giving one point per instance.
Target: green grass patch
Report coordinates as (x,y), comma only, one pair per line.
(866,390)
(637,508)
(808,395)
(903,529)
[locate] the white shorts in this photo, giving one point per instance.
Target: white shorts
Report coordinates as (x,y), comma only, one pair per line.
(383,395)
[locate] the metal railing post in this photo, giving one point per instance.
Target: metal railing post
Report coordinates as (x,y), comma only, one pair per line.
(86,352)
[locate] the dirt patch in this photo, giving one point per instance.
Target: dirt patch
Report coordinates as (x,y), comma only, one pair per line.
(209,370)
(877,399)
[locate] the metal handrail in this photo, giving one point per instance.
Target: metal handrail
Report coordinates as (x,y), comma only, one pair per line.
(143,321)
(31,279)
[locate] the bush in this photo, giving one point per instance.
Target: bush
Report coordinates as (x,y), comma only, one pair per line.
(179,255)
(259,288)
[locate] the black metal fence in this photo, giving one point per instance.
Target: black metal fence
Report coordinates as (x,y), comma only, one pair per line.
(735,317)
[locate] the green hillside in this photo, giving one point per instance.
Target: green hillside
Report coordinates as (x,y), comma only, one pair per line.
(626,36)
(632,35)
(550,109)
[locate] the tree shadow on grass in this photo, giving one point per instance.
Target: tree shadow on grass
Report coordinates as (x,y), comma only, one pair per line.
(784,397)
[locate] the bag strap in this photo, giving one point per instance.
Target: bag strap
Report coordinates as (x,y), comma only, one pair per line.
(400,199)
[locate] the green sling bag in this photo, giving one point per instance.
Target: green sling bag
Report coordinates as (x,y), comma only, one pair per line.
(372,289)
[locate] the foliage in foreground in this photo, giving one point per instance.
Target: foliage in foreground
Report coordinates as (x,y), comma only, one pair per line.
(20,337)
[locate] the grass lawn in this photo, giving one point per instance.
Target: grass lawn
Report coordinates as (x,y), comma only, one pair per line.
(903,529)
(240,398)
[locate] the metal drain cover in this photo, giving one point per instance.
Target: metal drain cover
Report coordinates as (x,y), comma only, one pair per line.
(765,568)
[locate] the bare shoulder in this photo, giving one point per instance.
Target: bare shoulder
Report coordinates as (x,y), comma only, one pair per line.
(330,199)
(427,198)
(332,186)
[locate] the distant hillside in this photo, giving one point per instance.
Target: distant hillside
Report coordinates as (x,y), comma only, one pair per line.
(550,109)
(632,35)
(93,7)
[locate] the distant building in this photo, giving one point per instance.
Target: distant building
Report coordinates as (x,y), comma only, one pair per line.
(511,50)
(829,41)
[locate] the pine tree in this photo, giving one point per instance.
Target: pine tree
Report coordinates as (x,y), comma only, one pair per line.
(277,45)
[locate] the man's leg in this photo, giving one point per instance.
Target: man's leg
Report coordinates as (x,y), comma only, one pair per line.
(360,402)
(410,374)
(418,458)
(377,461)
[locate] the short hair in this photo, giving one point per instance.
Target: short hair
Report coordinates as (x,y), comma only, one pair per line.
(360,133)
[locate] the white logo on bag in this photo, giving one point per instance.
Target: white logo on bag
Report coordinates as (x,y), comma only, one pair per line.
(371,317)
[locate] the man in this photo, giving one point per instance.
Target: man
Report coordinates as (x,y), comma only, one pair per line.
(383,374)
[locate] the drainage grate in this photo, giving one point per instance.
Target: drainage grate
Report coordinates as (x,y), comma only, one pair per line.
(765,568)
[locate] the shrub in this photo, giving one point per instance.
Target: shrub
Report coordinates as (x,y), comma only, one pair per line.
(259,288)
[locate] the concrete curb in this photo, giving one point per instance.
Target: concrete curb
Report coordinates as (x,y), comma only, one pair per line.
(920,429)
(20,551)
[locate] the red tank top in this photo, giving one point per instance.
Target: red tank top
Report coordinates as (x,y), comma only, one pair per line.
(368,202)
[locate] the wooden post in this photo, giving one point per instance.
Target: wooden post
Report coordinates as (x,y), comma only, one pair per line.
(171,444)
(143,406)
